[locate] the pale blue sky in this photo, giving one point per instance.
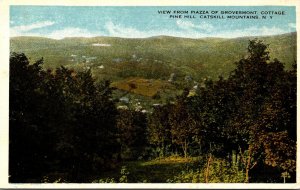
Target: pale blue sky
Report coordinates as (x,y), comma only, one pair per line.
(139,22)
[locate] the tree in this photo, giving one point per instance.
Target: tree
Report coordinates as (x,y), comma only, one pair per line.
(132,126)
(260,114)
(60,121)
(182,123)
(159,128)
(25,135)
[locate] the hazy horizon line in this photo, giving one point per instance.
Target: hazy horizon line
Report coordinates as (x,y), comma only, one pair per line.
(154,36)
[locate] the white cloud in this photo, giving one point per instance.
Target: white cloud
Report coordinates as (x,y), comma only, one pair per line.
(188,25)
(190,30)
(292,25)
(14,33)
(57,34)
(25,28)
(122,31)
(252,31)
(129,32)
(71,32)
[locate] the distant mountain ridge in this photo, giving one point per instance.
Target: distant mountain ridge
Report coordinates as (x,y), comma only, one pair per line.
(113,56)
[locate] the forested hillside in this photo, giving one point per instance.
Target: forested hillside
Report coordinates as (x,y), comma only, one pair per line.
(150,71)
(156,57)
(66,125)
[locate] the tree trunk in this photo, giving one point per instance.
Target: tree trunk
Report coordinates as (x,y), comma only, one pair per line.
(163,149)
(236,158)
(207,168)
(230,159)
(248,164)
(200,149)
(184,148)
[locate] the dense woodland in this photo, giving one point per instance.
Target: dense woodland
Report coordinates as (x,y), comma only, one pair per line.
(65,127)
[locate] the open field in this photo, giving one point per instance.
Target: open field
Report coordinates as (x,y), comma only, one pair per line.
(144,87)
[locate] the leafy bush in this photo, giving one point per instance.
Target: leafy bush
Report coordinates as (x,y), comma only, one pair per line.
(219,172)
(123,177)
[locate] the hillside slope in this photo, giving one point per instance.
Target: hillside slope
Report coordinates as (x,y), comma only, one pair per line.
(156,57)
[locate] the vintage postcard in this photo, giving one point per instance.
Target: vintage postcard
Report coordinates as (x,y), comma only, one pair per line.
(149,95)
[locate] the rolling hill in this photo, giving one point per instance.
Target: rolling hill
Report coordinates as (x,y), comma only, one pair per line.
(134,61)
(155,57)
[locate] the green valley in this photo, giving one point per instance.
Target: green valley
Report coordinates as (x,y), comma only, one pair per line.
(156,57)
(153,70)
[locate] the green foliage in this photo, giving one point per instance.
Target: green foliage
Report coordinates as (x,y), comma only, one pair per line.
(220,172)
(25,134)
(59,122)
(123,177)
(261,112)
(182,124)
(246,113)
(158,129)
(54,178)
(106,180)
(124,174)
(187,177)
(244,126)
(131,127)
